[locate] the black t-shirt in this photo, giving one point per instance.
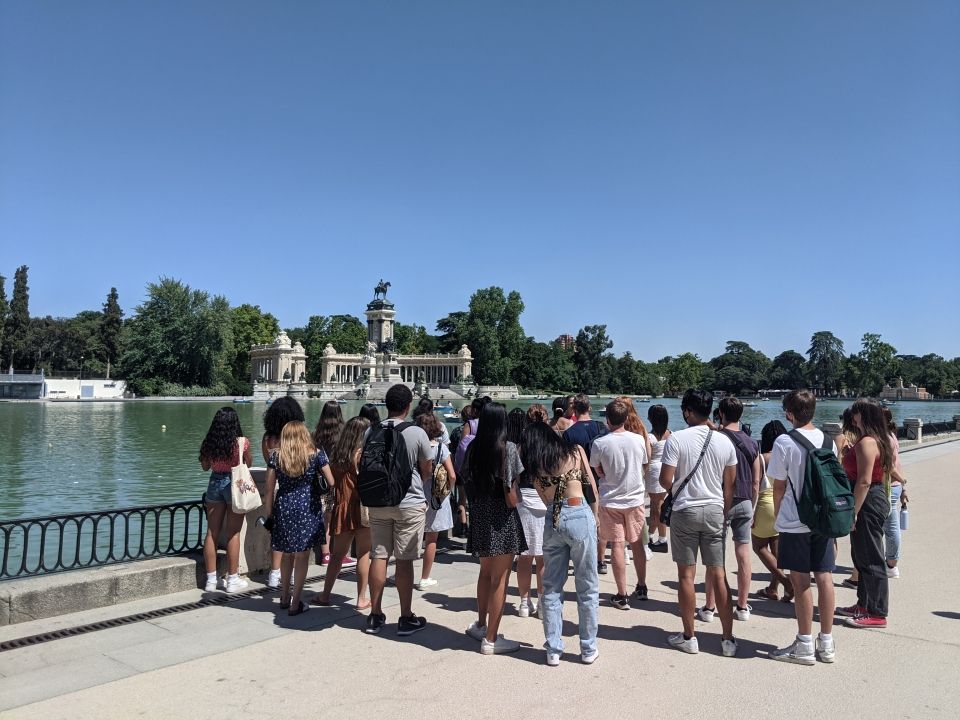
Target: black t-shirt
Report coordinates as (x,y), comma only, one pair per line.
(583,433)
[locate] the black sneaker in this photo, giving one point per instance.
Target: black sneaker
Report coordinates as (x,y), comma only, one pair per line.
(410,624)
(620,602)
(641,592)
(660,546)
(375,623)
(602,568)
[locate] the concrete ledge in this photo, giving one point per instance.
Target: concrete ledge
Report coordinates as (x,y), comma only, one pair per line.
(58,594)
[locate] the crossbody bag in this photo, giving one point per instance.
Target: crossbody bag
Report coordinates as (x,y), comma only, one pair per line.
(666,509)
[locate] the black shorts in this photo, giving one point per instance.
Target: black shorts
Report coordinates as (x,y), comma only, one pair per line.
(806,553)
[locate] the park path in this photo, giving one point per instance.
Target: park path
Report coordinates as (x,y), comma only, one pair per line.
(243,658)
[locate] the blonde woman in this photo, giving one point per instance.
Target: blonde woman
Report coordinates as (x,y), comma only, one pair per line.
(348,520)
(296,514)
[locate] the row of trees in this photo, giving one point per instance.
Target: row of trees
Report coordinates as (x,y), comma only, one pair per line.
(184,341)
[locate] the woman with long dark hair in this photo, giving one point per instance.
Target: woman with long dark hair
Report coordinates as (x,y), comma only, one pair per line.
(659,432)
(348,520)
(370,413)
(560,470)
(325,436)
(868,465)
(491,468)
(765,538)
(221,449)
(279,413)
(532,511)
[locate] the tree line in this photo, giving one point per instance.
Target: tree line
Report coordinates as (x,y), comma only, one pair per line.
(184,341)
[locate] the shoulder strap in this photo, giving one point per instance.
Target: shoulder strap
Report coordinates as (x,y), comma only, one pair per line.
(827,443)
(402,426)
(240,450)
(739,444)
(808,448)
(802,441)
(696,467)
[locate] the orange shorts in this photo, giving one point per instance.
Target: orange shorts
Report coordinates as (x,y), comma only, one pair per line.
(621,525)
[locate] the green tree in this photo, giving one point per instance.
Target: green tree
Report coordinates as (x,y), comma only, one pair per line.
(344,332)
(411,339)
(591,344)
(880,363)
(4,313)
(450,328)
(683,372)
(110,326)
(492,331)
(180,336)
(17,322)
(825,361)
(251,326)
(740,368)
(787,371)
(544,367)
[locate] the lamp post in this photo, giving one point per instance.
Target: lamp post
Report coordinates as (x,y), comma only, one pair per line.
(81,367)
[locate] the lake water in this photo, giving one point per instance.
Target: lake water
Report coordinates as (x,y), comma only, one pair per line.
(71,457)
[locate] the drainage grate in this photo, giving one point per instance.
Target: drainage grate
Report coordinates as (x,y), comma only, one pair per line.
(31,640)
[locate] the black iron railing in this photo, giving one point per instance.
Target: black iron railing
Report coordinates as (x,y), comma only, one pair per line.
(42,545)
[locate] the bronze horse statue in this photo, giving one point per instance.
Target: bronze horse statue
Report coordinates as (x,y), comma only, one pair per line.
(381,290)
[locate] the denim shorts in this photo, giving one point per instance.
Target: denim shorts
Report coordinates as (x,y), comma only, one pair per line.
(218,489)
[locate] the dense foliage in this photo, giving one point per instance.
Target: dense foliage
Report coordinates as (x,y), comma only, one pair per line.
(182,341)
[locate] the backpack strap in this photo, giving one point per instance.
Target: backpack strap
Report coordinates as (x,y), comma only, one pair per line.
(827,443)
(808,447)
(739,443)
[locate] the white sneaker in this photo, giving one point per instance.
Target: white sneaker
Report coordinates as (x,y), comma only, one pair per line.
(681,643)
(893,572)
(553,659)
(211,585)
(273,579)
(729,647)
(498,647)
(797,652)
(523,609)
(590,657)
(236,585)
(425,583)
(477,632)
(648,553)
(742,613)
(705,614)
(826,649)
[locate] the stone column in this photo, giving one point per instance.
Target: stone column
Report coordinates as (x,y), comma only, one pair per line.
(914,428)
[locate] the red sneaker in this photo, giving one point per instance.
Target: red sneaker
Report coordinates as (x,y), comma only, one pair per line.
(852,611)
(866,621)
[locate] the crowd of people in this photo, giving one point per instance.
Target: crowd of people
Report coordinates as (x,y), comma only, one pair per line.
(546,492)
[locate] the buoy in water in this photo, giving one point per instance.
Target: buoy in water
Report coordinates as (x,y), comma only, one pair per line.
(163,428)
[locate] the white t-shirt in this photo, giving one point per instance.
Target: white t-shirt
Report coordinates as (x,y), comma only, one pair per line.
(682,451)
(622,456)
(788,462)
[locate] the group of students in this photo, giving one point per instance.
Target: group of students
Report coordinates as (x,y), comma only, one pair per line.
(551,492)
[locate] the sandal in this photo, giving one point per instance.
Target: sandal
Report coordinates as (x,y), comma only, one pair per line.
(284,605)
(317,600)
(767,593)
(364,605)
(299,610)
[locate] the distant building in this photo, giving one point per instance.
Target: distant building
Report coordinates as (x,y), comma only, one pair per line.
(910,392)
(567,342)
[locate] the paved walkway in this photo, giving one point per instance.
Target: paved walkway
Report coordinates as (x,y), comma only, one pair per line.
(243,658)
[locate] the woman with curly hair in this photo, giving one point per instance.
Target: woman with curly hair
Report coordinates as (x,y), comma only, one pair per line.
(325,437)
(223,448)
(279,413)
(438,519)
(348,522)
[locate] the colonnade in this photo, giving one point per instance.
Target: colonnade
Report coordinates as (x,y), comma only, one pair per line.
(435,374)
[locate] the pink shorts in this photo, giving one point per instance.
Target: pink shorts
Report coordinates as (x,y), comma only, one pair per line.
(624,525)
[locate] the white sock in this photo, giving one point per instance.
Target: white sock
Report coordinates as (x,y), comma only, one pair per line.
(805,639)
(231,578)
(828,637)
(212,577)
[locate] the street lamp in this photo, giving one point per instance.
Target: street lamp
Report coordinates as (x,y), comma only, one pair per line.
(81,367)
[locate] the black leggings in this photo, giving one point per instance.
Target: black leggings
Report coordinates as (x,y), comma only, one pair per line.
(866,546)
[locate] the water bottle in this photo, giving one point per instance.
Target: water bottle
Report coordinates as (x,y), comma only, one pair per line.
(904,518)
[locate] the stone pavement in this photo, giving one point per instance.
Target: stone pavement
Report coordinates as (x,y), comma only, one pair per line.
(245,658)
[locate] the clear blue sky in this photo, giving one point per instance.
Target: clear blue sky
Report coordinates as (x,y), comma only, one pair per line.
(626,163)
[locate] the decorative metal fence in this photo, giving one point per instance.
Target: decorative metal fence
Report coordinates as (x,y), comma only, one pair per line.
(42,545)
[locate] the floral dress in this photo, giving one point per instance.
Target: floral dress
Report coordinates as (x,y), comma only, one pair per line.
(297,509)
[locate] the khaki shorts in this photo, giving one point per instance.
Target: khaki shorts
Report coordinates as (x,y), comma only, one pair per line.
(698,528)
(621,524)
(396,531)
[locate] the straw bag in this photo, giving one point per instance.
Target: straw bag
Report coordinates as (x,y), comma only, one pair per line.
(244,495)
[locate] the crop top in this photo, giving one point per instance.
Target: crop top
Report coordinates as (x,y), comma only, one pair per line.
(574,475)
(850,466)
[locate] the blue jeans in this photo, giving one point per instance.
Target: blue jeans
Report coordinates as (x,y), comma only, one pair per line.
(891,529)
(574,538)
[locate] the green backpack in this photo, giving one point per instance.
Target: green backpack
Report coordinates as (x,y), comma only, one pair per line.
(826,504)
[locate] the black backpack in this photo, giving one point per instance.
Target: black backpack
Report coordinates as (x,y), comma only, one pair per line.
(385,471)
(825,503)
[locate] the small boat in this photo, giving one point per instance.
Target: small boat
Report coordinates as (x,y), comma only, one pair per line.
(242,401)
(888,403)
(750,404)
(451,417)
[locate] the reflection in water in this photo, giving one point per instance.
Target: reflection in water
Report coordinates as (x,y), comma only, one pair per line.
(72,457)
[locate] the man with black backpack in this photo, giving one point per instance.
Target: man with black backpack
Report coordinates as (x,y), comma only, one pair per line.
(801,550)
(395,456)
